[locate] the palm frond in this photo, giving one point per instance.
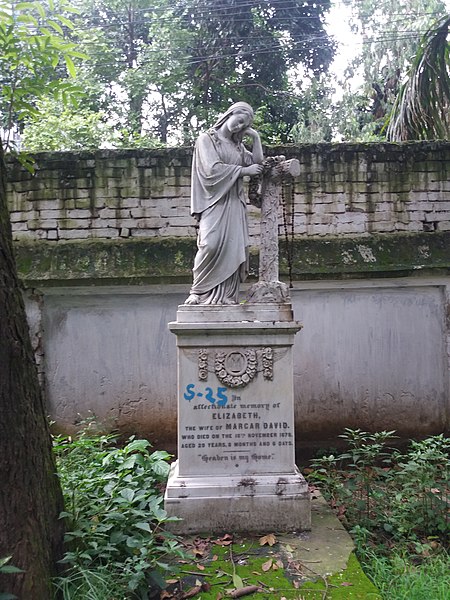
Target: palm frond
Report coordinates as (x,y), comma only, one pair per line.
(422,108)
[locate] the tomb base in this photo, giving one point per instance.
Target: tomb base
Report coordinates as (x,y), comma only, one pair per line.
(236,449)
(228,503)
(259,503)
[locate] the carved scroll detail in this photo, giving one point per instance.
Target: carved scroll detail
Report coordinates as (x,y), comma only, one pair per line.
(267,363)
(203,364)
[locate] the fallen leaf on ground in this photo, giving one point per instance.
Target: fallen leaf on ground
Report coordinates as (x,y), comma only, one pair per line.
(244,591)
(192,592)
(220,573)
(225,540)
(200,547)
(200,587)
(346,584)
(269,539)
(267,565)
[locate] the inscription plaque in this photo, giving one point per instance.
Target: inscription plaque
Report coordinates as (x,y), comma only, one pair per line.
(236,427)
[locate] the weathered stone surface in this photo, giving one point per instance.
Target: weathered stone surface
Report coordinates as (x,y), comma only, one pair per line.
(371,262)
(259,503)
(236,440)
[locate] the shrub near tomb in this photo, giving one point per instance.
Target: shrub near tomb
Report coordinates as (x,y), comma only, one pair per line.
(401,495)
(115,541)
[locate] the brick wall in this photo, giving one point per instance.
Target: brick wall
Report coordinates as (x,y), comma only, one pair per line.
(343,190)
(74,196)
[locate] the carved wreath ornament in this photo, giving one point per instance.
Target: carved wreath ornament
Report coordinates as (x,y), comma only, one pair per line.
(236,368)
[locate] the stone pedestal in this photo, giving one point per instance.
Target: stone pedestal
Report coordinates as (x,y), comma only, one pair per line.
(236,467)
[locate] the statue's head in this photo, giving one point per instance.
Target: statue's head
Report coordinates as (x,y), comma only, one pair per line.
(238,117)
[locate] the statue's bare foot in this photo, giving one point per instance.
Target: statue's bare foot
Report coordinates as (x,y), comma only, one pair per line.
(229,301)
(192,299)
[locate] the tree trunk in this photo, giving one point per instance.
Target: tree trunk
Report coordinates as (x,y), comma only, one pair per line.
(30,493)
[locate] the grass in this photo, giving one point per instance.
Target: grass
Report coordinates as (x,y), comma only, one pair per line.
(398,578)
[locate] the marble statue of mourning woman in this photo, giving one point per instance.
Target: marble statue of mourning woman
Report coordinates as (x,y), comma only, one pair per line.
(217,200)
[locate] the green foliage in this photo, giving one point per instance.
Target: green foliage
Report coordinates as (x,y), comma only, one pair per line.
(422,108)
(246,50)
(390,32)
(125,139)
(115,536)
(401,495)
(35,58)
(6,568)
(422,479)
(59,127)
(167,70)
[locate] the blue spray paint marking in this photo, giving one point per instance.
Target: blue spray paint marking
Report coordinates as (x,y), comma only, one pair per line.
(189,394)
(219,399)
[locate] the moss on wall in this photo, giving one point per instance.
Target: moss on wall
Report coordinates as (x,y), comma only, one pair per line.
(377,255)
(155,261)
(170,260)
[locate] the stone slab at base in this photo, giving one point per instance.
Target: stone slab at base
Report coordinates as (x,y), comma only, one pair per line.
(235,503)
(238,313)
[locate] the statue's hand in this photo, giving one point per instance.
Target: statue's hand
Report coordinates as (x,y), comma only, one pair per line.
(252,170)
(251,133)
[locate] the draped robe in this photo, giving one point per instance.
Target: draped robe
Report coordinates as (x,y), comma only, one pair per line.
(217,200)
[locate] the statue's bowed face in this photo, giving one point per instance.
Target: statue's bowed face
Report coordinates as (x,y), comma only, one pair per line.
(238,122)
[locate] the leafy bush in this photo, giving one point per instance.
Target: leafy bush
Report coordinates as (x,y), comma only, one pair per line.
(421,479)
(404,495)
(116,544)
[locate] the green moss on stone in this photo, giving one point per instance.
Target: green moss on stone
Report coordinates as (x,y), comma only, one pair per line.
(170,260)
(156,261)
(351,584)
(263,567)
(377,255)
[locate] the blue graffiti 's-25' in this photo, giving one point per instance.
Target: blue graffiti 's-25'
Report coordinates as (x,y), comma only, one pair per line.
(219,399)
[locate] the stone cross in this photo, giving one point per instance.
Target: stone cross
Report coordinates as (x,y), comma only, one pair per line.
(269,288)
